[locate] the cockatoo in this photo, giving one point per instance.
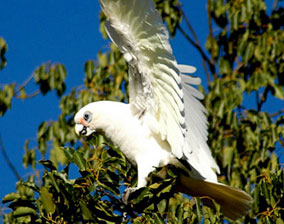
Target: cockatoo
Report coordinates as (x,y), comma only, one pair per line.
(165,122)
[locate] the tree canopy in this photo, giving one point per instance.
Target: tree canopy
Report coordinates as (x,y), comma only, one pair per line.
(244,55)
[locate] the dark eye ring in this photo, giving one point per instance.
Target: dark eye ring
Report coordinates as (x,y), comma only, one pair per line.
(87,116)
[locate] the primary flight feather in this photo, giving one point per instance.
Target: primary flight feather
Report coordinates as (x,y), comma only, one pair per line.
(164,123)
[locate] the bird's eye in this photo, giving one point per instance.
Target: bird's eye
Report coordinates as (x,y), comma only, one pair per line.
(87,116)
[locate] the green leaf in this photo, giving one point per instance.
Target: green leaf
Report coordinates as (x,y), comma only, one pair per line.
(279,221)
(274,162)
(158,219)
(235,21)
(225,66)
(6,96)
(57,154)
(61,71)
(48,164)
(47,200)
(258,52)
(11,197)
(228,156)
(69,152)
(87,214)
(89,69)
(248,52)
(23,211)
(278,91)
(102,59)
(198,208)
(79,161)
(162,206)
(41,130)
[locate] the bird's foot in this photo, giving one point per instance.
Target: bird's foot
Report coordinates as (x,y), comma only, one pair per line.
(126,194)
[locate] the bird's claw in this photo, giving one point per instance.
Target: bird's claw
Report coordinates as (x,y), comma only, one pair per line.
(126,194)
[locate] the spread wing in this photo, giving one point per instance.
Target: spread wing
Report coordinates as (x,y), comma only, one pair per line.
(156,86)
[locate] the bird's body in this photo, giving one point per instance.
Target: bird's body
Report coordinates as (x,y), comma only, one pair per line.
(164,123)
(141,146)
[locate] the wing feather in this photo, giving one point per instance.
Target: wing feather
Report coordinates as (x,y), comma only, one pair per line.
(155,83)
(161,94)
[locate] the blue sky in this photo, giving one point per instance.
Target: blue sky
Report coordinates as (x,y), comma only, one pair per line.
(67,32)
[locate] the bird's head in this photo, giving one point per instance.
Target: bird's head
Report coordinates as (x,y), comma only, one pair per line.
(84,121)
(98,117)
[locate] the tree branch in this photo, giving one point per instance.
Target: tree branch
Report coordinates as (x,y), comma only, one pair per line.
(276,113)
(196,42)
(35,93)
(12,167)
(275,3)
(210,36)
(211,66)
(281,142)
(24,83)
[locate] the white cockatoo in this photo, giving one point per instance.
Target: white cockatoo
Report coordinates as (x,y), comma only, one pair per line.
(164,123)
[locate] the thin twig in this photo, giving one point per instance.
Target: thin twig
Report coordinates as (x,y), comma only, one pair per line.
(211,66)
(281,142)
(24,83)
(276,113)
(118,202)
(37,92)
(197,43)
(210,36)
(275,3)
(10,164)
(190,27)
(257,99)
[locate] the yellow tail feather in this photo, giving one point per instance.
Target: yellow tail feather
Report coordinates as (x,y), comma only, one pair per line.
(234,202)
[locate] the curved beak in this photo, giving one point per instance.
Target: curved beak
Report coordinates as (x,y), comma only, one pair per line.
(79,128)
(83,130)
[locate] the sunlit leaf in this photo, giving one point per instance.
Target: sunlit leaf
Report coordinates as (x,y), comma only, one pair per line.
(47,200)
(23,211)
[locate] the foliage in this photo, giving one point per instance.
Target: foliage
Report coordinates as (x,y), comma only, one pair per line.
(47,76)
(3,49)
(246,56)
(248,52)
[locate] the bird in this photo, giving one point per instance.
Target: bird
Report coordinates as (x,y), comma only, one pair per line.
(164,122)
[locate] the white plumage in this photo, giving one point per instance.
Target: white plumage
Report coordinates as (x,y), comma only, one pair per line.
(164,121)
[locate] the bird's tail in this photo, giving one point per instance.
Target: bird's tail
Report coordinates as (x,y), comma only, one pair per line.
(234,202)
